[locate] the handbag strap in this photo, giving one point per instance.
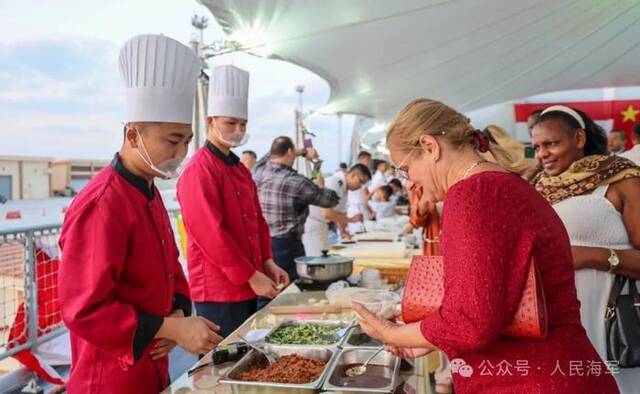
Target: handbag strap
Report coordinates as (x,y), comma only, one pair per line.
(633,290)
(616,289)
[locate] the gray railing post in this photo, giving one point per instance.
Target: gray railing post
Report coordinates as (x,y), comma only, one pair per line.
(31,287)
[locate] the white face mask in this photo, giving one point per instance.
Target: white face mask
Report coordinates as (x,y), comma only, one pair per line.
(235,140)
(168,169)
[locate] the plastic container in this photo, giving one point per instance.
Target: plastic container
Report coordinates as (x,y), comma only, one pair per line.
(341,297)
(370,274)
(380,303)
(370,279)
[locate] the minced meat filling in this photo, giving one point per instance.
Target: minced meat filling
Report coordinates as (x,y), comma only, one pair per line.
(291,369)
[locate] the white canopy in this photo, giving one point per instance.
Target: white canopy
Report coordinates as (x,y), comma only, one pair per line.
(379,54)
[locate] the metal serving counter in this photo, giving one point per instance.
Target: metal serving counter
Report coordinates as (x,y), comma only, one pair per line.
(412,380)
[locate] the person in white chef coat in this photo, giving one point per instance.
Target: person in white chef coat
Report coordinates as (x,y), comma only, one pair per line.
(316,230)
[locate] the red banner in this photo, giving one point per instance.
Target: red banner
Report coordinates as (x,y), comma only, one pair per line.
(626,117)
(624,113)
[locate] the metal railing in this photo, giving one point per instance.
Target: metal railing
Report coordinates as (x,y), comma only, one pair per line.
(28,269)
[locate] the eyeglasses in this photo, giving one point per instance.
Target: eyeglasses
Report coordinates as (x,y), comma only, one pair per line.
(400,171)
(403,173)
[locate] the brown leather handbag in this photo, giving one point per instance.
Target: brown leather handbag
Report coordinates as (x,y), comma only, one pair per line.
(425,288)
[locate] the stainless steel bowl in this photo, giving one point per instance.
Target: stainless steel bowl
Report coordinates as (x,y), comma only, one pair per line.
(325,268)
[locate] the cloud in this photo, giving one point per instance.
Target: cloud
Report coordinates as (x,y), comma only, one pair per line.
(61,98)
(77,73)
(56,58)
(62,95)
(42,133)
(113,21)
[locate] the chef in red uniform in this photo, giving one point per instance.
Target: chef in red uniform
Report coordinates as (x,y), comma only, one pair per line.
(123,293)
(229,247)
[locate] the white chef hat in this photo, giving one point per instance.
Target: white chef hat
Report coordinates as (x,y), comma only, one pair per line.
(229,92)
(160,75)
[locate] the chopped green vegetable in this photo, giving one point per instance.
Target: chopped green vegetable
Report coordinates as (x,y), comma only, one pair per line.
(305,334)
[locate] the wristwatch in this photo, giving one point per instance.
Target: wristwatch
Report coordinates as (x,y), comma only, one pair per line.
(304,152)
(614,260)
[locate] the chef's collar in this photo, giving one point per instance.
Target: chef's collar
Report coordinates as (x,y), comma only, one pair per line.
(232,159)
(137,181)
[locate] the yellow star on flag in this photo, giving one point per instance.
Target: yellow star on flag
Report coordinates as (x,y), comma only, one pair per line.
(629,114)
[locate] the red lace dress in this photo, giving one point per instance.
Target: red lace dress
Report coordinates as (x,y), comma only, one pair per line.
(491,223)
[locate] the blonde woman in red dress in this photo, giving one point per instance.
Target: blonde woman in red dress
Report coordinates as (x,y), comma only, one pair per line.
(493,222)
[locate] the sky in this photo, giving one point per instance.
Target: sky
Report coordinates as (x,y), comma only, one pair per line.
(61,94)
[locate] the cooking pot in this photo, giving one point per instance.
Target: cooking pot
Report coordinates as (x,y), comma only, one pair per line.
(325,268)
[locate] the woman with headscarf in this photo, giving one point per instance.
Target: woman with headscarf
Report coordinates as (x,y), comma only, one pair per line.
(597,196)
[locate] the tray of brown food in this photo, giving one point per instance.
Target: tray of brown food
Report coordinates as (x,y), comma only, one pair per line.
(295,368)
(380,377)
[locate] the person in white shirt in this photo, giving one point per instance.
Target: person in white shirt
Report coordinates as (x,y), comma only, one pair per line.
(249,159)
(381,205)
(399,195)
(633,154)
(357,199)
(380,177)
(364,158)
(316,229)
(617,140)
(342,169)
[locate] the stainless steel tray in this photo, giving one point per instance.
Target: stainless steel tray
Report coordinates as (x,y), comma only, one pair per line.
(321,353)
(289,322)
(351,340)
(359,356)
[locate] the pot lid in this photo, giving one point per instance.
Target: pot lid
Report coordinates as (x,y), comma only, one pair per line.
(326,258)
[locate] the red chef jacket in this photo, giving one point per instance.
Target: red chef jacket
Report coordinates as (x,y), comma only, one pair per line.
(119,276)
(227,236)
